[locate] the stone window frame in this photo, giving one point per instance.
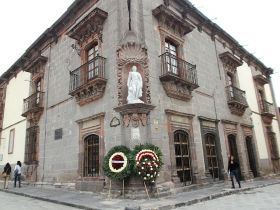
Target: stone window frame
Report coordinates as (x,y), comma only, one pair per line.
(167,20)
(97,130)
(187,127)
(230,64)
(210,126)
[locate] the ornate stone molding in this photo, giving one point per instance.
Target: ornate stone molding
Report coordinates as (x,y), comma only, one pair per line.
(131,52)
(91,91)
(230,62)
(177,90)
(261,79)
(134,114)
(92,24)
(171,21)
(237,108)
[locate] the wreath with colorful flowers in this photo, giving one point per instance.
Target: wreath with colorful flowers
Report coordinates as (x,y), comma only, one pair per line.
(148,158)
(117,163)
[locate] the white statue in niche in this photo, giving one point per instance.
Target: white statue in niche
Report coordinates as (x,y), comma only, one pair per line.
(134,85)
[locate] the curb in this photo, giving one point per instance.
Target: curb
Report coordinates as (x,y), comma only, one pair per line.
(50,200)
(167,207)
(212,197)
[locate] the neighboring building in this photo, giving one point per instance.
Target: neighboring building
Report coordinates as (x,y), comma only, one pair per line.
(195,109)
(14,88)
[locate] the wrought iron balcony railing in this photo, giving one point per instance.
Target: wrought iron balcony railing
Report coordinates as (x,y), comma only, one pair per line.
(33,103)
(177,67)
(91,70)
(267,108)
(234,94)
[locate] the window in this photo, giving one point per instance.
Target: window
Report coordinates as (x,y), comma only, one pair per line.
(38,90)
(30,145)
(230,83)
(11,141)
(182,155)
(92,53)
(91,158)
(171,57)
(211,155)
(261,99)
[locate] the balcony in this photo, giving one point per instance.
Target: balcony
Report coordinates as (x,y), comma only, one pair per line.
(33,104)
(178,77)
(236,100)
(87,83)
(267,111)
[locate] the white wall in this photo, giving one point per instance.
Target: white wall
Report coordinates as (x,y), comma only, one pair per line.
(247,84)
(17,90)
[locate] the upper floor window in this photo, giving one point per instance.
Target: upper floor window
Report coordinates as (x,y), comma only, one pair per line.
(171,57)
(92,53)
(11,141)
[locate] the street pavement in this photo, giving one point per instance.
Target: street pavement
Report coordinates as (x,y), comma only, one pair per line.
(178,198)
(16,202)
(266,198)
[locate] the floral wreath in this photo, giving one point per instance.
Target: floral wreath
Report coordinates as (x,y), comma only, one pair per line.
(117,164)
(148,159)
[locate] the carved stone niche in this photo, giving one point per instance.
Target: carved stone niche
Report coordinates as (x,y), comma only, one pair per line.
(134,114)
(131,53)
(230,62)
(171,21)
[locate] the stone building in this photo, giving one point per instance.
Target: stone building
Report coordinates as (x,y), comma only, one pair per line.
(194,105)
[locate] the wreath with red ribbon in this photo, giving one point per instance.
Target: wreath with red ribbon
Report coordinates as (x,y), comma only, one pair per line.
(117,164)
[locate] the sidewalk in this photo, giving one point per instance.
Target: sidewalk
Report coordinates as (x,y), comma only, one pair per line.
(94,201)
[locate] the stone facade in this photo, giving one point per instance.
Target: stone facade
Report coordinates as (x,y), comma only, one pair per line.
(191,91)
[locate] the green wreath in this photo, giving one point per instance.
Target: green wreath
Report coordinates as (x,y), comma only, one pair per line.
(148,161)
(117,163)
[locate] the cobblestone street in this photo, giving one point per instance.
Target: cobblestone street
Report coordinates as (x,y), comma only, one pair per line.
(267,198)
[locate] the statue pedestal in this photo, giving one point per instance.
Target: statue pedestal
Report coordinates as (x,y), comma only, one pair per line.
(134,114)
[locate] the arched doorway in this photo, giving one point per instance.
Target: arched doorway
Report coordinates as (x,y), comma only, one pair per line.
(211,155)
(251,155)
(232,146)
(91,156)
(183,157)
(233,150)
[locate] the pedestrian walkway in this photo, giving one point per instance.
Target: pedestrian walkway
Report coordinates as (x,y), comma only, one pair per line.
(91,201)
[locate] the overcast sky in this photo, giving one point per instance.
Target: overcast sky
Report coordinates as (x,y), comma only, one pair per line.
(254,24)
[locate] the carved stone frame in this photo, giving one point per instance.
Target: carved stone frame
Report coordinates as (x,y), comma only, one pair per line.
(130,54)
(187,127)
(97,128)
